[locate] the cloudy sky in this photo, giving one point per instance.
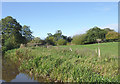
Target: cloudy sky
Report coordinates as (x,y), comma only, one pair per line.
(70,17)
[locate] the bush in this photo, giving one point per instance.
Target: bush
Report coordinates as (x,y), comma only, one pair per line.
(9,44)
(69,43)
(79,39)
(50,41)
(112,36)
(61,42)
(36,40)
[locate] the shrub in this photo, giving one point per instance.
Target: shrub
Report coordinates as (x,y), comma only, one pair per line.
(68,43)
(61,42)
(111,35)
(50,41)
(79,39)
(9,44)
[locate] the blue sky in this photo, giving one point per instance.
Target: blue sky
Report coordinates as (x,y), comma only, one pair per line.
(70,17)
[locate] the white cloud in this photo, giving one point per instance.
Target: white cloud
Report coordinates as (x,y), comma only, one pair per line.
(112,26)
(81,31)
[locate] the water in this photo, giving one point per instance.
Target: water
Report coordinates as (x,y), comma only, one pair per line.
(10,73)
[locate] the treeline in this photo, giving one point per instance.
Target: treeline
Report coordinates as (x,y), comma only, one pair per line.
(91,36)
(53,39)
(96,34)
(14,34)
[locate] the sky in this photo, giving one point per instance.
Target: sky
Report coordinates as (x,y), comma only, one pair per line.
(70,17)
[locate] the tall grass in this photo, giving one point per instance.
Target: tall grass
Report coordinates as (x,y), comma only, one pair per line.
(60,63)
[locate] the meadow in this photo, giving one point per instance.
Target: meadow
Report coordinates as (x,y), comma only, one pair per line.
(71,63)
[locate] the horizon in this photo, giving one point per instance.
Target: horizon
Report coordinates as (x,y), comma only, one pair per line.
(71,18)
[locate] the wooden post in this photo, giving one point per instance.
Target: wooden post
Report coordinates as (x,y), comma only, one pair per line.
(98,40)
(98,52)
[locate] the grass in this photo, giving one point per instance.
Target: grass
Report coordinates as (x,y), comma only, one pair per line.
(82,64)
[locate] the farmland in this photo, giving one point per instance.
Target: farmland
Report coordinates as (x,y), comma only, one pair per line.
(72,63)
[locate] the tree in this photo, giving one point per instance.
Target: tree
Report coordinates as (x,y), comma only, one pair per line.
(58,35)
(95,33)
(112,36)
(50,40)
(79,39)
(49,34)
(11,33)
(56,38)
(61,42)
(26,32)
(108,30)
(58,32)
(36,40)
(69,39)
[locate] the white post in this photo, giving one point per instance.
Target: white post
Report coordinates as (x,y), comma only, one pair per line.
(98,52)
(98,40)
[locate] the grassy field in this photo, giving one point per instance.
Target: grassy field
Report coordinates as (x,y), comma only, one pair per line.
(73,63)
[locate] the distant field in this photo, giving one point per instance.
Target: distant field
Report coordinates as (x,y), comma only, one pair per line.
(106,48)
(74,63)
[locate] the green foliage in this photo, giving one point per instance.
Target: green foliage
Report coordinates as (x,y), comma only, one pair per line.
(112,35)
(108,30)
(50,40)
(9,44)
(61,42)
(69,39)
(58,35)
(13,34)
(79,65)
(93,34)
(56,38)
(27,33)
(36,40)
(79,39)
(10,26)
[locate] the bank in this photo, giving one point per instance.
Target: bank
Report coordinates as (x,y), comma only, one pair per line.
(63,65)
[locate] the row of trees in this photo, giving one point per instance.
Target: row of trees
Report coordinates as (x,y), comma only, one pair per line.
(13,34)
(55,39)
(91,36)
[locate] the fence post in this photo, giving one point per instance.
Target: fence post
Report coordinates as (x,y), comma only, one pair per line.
(98,40)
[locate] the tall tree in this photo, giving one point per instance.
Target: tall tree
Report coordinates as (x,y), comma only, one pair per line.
(95,33)
(57,38)
(58,35)
(11,33)
(27,33)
